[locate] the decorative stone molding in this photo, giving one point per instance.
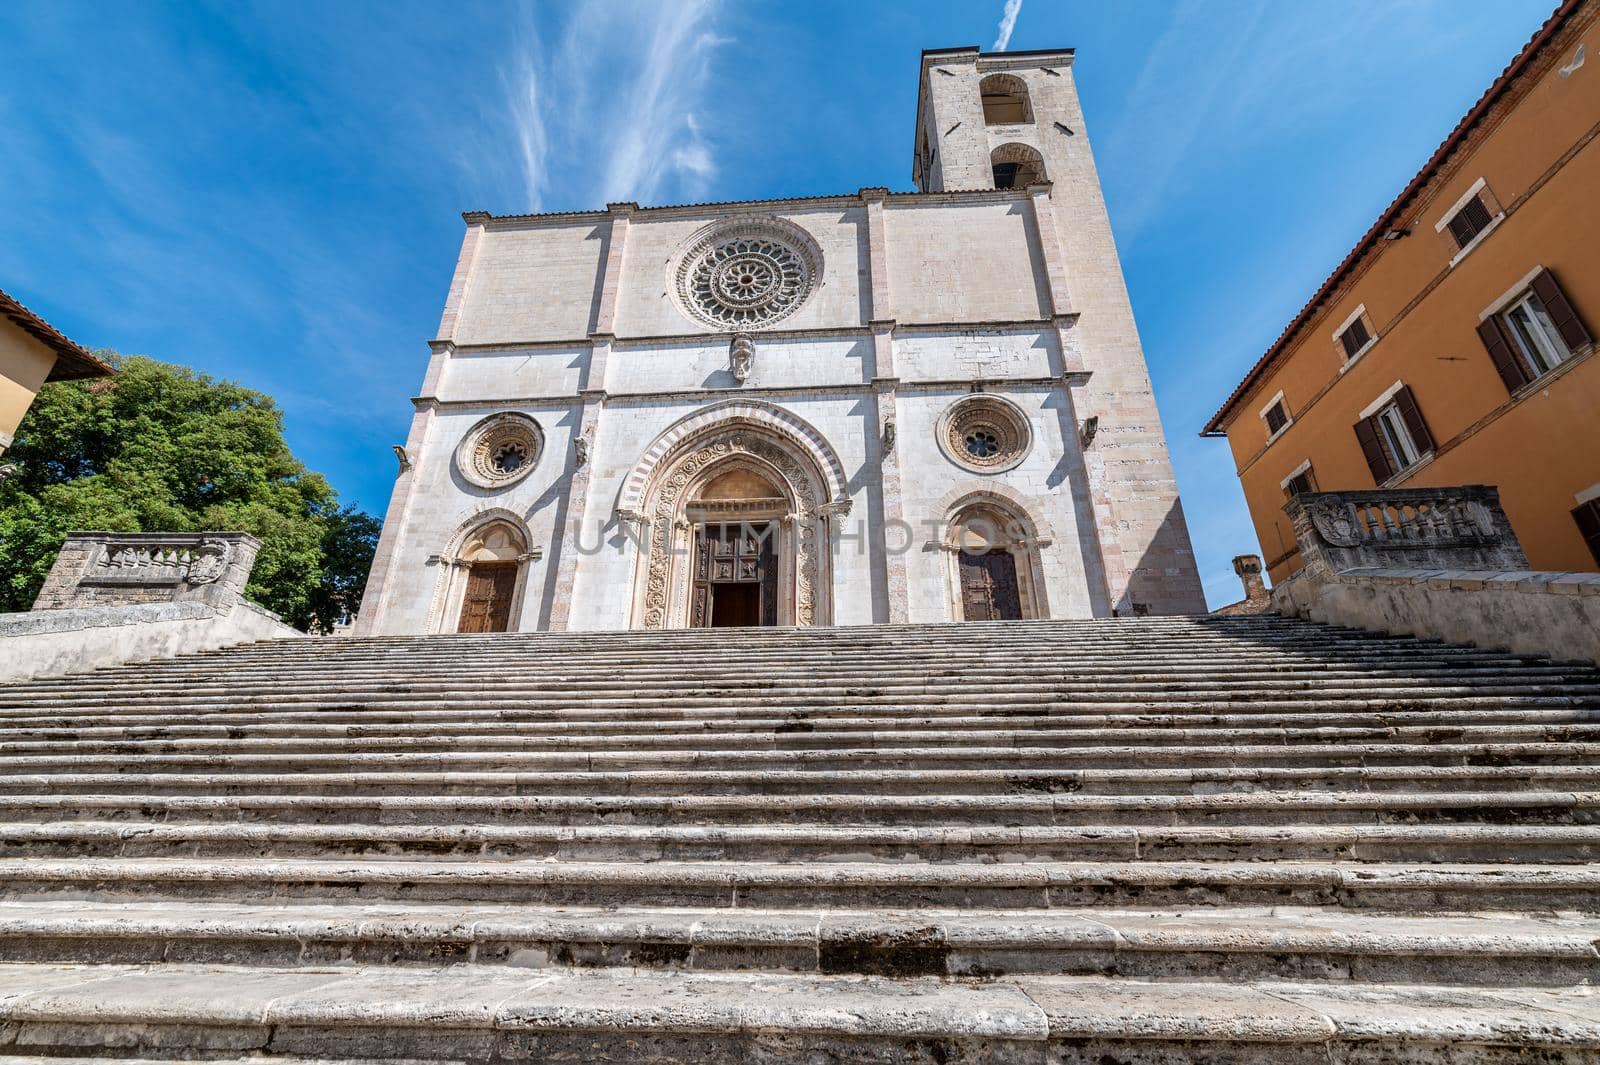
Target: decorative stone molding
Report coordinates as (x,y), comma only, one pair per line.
(784,423)
(500,450)
(120,569)
(1462,528)
(746,273)
(984,433)
(671,479)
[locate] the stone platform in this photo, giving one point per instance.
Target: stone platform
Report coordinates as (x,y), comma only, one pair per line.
(1141,841)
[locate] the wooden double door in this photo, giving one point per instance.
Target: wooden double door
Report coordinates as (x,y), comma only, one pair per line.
(486,604)
(735,575)
(989,590)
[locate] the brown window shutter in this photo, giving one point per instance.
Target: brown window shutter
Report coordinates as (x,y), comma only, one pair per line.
(1372,447)
(1506,361)
(1412,415)
(1588,518)
(1561,313)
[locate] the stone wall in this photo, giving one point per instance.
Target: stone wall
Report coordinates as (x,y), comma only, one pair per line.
(44,643)
(112,598)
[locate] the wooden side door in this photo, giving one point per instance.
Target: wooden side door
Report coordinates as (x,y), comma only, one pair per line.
(989,586)
(486,607)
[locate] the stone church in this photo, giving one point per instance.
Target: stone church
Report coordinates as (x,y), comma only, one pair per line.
(875,407)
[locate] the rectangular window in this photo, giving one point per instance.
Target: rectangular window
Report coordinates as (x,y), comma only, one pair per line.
(1300,483)
(1276,418)
(1534,333)
(1588,518)
(1473,218)
(1354,338)
(1393,437)
(1396,438)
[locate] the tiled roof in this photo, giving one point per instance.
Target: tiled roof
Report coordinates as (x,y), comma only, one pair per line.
(1392,214)
(73,361)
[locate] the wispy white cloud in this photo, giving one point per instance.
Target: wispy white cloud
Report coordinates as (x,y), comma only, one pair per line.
(1008,23)
(611,110)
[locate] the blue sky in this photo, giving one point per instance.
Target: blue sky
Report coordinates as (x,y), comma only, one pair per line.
(271,192)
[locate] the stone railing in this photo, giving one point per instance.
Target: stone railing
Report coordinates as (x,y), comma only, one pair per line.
(122,569)
(1439,563)
(1461,528)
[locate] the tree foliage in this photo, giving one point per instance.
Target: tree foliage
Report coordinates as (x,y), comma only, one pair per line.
(161,448)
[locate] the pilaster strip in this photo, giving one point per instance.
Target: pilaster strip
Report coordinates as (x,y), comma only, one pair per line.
(458,282)
(375,599)
(577,505)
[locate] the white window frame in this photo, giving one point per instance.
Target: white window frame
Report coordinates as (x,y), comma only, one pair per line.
(1553,350)
(1383,404)
(1396,436)
(1338,337)
(1494,221)
(1592,492)
(1297,471)
(1275,400)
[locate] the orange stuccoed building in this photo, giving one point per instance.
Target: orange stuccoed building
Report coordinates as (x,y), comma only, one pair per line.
(1456,343)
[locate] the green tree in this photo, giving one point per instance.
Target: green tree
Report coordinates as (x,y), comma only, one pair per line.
(161,448)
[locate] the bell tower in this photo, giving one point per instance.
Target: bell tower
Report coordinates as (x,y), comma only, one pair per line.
(989,120)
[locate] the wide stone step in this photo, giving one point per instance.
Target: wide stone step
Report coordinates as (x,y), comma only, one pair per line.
(1194,754)
(1232,944)
(501,1013)
(1164,668)
(1275,807)
(1110,674)
(365,710)
(811,735)
(808,842)
(1139,780)
(1390,886)
(69,733)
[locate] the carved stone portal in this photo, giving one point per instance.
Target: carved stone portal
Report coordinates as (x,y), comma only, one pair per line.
(804,532)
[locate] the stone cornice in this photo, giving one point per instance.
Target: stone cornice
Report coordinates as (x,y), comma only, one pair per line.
(725,207)
(852,388)
(897,328)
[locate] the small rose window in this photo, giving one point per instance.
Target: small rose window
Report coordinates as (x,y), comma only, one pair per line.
(500,450)
(984,433)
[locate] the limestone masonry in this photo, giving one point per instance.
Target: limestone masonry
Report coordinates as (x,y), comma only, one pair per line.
(1147,841)
(877,407)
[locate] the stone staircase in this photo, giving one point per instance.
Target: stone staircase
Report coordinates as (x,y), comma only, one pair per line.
(1130,842)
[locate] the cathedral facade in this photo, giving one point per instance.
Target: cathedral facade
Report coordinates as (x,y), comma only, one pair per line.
(867,408)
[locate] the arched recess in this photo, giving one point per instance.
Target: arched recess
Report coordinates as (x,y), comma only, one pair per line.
(1005,100)
(1016,166)
(993,520)
(665,497)
(751,411)
(494,537)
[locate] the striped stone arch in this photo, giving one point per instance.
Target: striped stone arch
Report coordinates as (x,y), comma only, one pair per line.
(965,495)
(732,412)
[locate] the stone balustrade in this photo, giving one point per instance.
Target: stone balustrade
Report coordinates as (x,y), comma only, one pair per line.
(1456,528)
(124,569)
(1440,563)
